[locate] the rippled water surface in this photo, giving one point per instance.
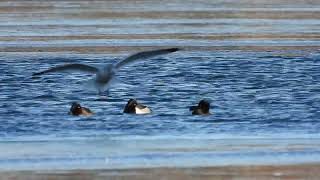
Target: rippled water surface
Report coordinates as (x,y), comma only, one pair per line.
(259,70)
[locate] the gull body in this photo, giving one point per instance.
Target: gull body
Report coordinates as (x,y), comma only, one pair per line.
(104,76)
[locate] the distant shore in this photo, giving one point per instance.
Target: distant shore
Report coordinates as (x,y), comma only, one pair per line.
(261,172)
(79,27)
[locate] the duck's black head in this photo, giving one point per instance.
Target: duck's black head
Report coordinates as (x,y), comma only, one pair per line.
(131,106)
(76,109)
(204,106)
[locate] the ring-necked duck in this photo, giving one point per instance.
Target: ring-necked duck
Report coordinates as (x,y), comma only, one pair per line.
(134,107)
(77,110)
(202,108)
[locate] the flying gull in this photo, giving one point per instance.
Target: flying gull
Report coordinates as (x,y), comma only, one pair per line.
(104,75)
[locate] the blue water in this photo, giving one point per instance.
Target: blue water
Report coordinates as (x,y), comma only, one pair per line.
(257,62)
(265,105)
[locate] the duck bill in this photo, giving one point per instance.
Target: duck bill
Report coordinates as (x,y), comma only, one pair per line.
(192,108)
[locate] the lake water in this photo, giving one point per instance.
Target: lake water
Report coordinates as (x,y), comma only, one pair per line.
(256,62)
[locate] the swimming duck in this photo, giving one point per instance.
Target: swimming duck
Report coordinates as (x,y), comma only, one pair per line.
(76,110)
(202,108)
(133,107)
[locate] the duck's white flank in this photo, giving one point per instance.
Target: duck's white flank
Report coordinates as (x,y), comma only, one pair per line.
(145,110)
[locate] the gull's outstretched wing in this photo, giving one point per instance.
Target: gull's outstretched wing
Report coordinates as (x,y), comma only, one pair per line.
(69,67)
(145,55)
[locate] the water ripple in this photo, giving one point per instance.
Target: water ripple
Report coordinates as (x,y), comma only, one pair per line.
(260,93)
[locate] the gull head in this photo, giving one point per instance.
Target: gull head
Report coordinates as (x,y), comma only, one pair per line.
(107,69)
(105,74)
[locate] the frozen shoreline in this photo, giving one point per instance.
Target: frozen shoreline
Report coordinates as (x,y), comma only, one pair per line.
(293,172)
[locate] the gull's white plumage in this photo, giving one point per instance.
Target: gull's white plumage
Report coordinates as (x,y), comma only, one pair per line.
(106,74)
